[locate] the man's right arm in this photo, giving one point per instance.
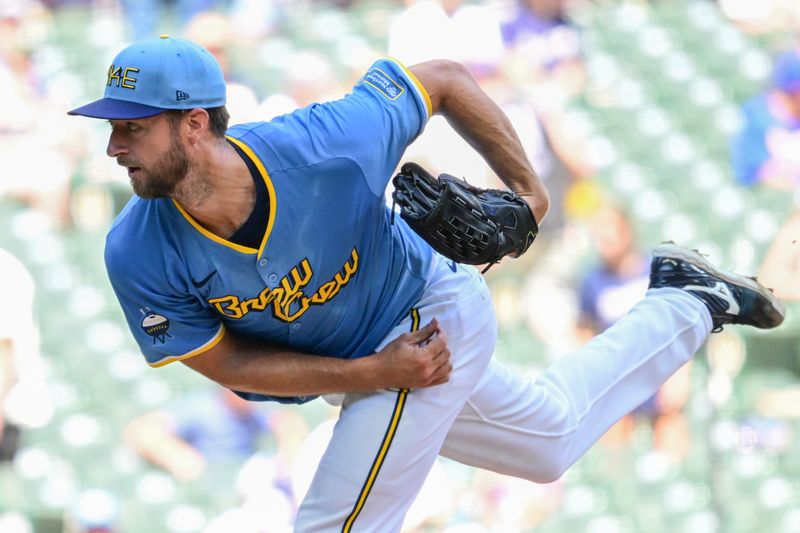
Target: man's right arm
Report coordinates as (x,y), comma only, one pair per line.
(455,94)
(412,360)
(176,326)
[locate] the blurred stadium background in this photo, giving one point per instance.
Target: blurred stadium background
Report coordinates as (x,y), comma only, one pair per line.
(624,103)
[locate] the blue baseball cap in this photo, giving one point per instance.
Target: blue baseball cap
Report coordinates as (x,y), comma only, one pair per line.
(786,73)
(149,77)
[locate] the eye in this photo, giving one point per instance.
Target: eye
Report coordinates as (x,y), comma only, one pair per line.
(132,127)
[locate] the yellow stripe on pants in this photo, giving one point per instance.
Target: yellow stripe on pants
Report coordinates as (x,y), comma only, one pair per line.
(397,412)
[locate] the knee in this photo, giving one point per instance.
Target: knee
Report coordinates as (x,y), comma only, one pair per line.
(554,471)
(553,446)
(546,469)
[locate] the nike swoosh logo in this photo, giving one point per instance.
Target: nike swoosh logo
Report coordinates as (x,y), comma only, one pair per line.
(719,289)
(453,266)
(198,284)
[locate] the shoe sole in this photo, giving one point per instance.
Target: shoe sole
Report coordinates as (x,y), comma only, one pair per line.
(772,309)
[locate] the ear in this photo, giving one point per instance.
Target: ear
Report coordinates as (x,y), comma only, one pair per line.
(197,121)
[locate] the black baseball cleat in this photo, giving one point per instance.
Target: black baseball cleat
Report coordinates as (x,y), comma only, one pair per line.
(730,298)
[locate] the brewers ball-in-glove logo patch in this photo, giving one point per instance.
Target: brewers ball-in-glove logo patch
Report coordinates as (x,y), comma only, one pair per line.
(155,325)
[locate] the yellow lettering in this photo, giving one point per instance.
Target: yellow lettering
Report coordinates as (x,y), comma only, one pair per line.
(299,282)
(292,292)
(264,298)
(258,303)
(276,296)
(351,269)
(324,293)
(289,293)
(113,74)
(129,82)
(231,310)
(284,311)
(248,304)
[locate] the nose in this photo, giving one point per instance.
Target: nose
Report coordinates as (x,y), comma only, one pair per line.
(115,146)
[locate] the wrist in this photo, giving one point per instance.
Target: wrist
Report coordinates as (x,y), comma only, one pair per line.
(538,204)
(361,374)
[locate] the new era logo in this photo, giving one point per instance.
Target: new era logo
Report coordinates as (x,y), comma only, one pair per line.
(180,95)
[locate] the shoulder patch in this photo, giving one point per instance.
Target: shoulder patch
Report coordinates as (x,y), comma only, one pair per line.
(383,83)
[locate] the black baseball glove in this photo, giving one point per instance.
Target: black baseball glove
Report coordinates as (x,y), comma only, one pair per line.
(462,222)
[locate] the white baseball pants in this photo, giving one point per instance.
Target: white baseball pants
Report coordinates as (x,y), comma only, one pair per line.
(384,443)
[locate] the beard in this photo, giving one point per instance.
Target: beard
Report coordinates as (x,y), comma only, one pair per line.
(160,179)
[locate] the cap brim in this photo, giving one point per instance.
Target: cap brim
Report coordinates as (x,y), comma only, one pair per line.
(111,109)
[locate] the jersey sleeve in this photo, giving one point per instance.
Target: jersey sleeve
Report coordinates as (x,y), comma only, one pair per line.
(374,124)
(168,324)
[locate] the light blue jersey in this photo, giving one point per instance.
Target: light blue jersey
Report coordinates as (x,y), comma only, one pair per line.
(332,275)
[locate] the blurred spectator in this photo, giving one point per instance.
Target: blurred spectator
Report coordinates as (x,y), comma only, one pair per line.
(447,29)
(212,426)
(781,271)
(24,399)
(558,153)
(539,31)
(781,267)
(544,66)
(510,504)
(308,76)
(538,20)
(556,163)
(768,16)
(215,32)
(267,502)
(269,491)
(143,16)
(35,169)
(607,293)
(543,53)
(767,149)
